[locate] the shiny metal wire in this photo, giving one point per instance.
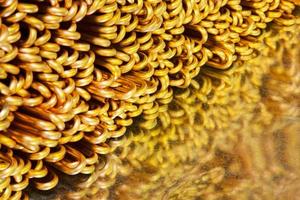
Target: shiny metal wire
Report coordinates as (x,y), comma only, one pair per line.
(75,73)
(205,134)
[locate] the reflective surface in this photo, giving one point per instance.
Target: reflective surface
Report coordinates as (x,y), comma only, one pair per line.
(232,134)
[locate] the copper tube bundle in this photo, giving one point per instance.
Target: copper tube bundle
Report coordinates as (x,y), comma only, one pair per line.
(212,144)
(74,74)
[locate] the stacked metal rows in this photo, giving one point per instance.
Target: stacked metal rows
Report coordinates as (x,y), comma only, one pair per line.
(73,74)
(239,144)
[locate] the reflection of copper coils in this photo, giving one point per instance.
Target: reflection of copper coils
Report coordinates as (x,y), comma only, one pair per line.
(224,139)
(74,74)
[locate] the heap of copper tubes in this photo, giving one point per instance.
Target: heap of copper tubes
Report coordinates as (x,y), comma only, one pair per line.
(240,146)
(74,74)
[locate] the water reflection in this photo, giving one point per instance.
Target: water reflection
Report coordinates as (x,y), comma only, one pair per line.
(231,135)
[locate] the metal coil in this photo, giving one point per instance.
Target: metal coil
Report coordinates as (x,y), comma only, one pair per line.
(209,145)
(75,73)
